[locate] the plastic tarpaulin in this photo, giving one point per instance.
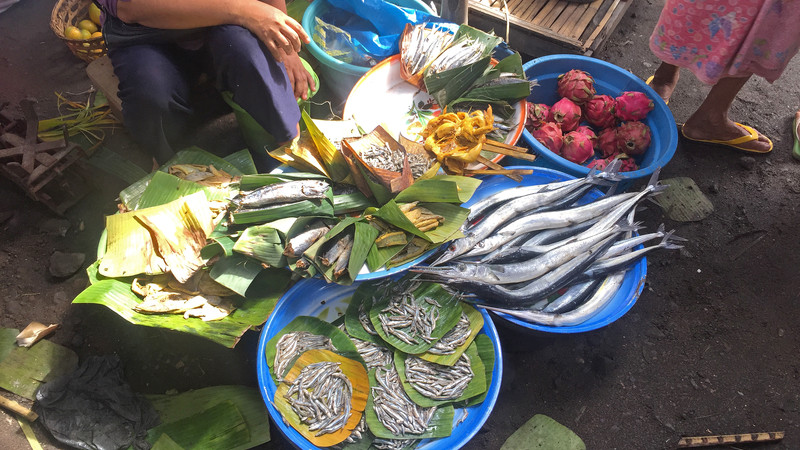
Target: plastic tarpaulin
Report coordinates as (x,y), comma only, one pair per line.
(371,28)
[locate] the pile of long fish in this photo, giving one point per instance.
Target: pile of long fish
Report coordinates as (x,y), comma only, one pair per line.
(524,245)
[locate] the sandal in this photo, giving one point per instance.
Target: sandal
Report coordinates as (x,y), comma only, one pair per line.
(796,148)
(735,143)
(649,81)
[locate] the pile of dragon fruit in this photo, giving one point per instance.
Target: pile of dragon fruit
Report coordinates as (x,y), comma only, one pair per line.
(615,129)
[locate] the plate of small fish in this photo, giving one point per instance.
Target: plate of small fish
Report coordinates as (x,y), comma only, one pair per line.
(553,253)
(338,309)
(382,97)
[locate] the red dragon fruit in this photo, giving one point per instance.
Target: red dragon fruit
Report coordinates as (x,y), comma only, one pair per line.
(607,142)
(633,138)
(599,164)
(599,111)
(567,114)
(538,115)
(577,147)
(576,85)
(550,136)
(589,132)
(628,164)
(632,105)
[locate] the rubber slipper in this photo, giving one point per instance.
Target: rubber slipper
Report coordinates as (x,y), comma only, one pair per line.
(796,148)
(736,142)
(649,82)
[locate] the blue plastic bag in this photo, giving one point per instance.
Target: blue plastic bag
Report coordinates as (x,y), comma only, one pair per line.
(373,26)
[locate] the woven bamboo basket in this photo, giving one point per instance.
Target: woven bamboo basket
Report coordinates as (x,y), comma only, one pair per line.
(70,12)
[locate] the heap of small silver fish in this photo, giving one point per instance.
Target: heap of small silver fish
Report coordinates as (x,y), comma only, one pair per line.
(437,381)
(454,338)
(293,344)
(394,409)
(518,250)
(392,444)
(374,355)
(406,320)
(321,396)
(392,160)
(423,42)
(363,317)
(285,192)
(357,434)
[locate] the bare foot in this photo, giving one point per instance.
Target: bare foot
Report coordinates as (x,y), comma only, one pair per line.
(797,121)
(664,81)
(697,129)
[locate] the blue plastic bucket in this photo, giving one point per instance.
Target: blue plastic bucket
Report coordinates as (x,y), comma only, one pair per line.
(609,80)
(632,284)
(326,301)
(338,76)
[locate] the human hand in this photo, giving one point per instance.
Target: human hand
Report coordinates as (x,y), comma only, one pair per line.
(281,34)
(301,80)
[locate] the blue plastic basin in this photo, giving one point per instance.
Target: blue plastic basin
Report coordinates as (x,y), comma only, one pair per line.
(315,297)
(632,284)
(609,80)
(339,76)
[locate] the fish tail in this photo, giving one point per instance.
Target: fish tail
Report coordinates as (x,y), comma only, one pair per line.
(668,241)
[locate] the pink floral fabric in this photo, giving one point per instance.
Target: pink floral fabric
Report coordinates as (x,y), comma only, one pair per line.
(728,38)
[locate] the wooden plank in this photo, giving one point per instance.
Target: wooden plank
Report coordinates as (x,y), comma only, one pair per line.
(605,6)
(531,9)
(526,25)
(583,22)
(101,72)
(568,27)
(607,25)
(565,17)
(539,17)
(550,18)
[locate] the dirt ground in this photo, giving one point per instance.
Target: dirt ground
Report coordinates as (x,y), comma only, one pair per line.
(709,348)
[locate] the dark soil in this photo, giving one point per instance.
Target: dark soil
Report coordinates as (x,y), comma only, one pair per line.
(709,348)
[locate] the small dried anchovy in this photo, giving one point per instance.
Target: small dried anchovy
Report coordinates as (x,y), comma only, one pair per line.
(394,409)
(387,159)
(457,336)
(363,317)
(392,444)
(356,435)
(321,396)
(293,344)
(437,381)
(374,355)
(404,319)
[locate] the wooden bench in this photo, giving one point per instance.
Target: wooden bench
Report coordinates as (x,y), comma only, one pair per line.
(540,27)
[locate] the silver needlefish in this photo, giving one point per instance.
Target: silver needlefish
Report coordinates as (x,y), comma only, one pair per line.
(523,297)
(573,297)
(503,214)
(521,271)
(604,294)
(602,267)
(288,191)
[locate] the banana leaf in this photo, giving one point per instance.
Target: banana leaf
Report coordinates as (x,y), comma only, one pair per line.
(301,154)
(485,347)
(378,257)
(476,386)
(510,64)
(413,250)
(441,188)
(454,217)
(449,312)
(246,276)
(449,85)
(363,295)
(356,374)
(352,202)
(314,207)
(265,242)
(344,346)
(247,400)
(475,325)
(24,369)
(164,188)
(440,425)
(500,108)
(332,158)
(250,182)
(363,237)
(222,245)
(510,91)
(130,247)
(193,155)
(220,427)
(164,442)
(250,312)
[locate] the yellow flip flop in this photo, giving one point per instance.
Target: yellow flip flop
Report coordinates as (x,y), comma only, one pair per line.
(736,142)
(649,81)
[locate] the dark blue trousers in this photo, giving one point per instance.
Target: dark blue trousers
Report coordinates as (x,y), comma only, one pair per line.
(155,86)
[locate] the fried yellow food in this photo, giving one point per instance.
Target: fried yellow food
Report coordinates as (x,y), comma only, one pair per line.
(457,138)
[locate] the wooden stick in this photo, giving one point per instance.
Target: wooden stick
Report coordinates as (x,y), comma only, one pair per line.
(727,439)
(11,405)
(506,172)
(493,165)
(508,150)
